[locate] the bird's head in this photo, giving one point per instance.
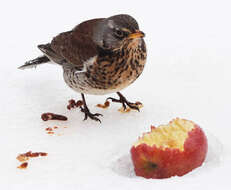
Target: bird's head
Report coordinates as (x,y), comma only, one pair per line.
(114,32)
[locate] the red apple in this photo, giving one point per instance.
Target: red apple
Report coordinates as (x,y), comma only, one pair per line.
(169,150)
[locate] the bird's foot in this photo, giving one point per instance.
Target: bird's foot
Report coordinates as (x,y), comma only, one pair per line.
(125,102)
(83,108)
(87,113)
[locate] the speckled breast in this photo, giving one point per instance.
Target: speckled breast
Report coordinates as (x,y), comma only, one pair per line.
(109,73)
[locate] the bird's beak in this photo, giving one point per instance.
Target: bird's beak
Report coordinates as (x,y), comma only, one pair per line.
(137,34)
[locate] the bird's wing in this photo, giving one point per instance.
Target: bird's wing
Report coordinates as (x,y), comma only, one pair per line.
(74,49)
(76,46)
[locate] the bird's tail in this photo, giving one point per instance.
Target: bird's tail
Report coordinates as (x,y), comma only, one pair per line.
(35,62)
(49,55)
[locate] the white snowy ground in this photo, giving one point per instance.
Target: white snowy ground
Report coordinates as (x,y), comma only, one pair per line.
(187,75)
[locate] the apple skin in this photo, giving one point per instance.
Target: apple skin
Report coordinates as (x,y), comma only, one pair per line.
(153,162)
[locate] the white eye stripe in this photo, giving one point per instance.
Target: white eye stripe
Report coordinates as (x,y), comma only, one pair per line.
(126,30)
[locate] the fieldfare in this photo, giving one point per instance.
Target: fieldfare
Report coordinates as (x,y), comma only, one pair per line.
(99,56)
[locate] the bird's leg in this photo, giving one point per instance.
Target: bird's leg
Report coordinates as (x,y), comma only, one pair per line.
(125,102)
(87,112)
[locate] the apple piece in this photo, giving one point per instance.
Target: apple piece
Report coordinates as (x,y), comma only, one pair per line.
(23,165)
(169,150)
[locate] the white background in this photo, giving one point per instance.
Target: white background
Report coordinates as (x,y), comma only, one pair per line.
(187,75)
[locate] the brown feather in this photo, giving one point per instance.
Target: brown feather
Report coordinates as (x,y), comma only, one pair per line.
(76,46)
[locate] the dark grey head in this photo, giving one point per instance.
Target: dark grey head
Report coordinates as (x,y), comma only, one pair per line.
(112,32)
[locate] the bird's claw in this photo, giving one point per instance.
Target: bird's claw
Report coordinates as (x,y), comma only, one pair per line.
(90,115)
(133,106)
(125,103)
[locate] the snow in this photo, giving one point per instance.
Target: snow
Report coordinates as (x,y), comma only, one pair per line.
(187,75)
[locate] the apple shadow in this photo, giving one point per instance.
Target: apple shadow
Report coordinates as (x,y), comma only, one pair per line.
(123,166)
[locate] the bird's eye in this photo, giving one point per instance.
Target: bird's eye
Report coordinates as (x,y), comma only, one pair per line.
(119,33)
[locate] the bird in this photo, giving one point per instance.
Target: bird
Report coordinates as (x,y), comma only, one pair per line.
(98,56)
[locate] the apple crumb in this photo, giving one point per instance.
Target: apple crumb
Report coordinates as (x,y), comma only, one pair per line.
(49,129)
(104,106)
(22,158)
(23,165)
(26,156)
(122,110)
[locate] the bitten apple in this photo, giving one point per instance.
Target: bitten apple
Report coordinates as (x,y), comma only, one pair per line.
(169,150)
